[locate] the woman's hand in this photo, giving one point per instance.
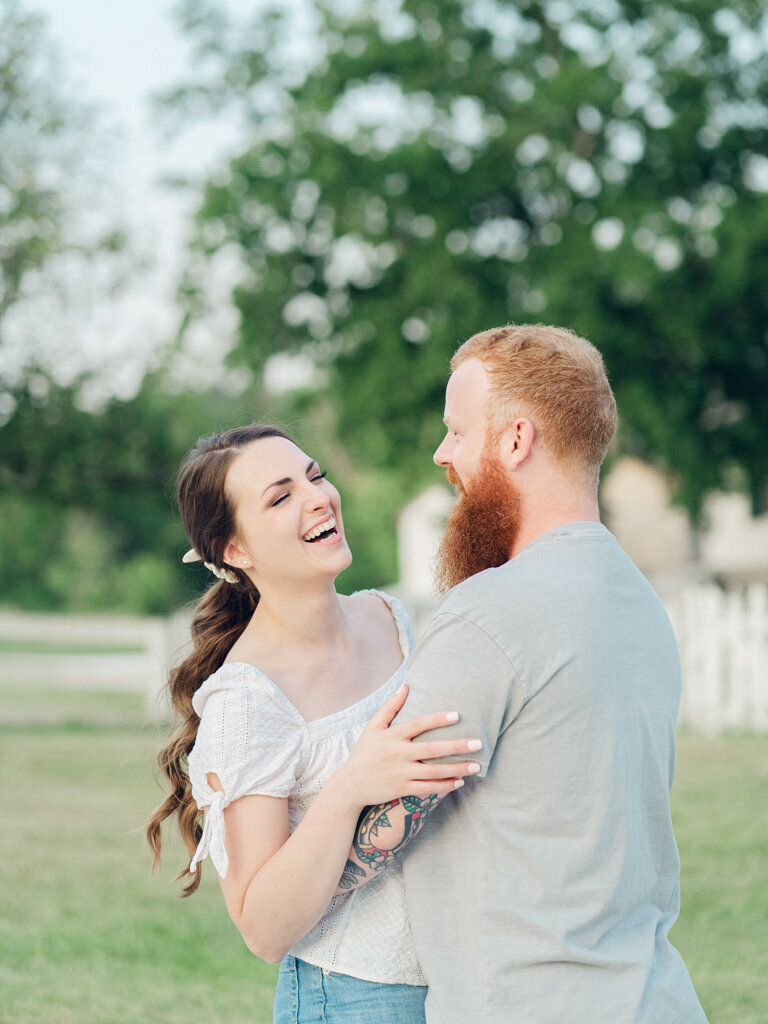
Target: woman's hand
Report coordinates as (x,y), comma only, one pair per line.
(385,764)
(279,883)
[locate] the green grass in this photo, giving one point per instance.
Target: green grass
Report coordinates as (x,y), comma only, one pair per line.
(721,823)
(87,936)
(45,705)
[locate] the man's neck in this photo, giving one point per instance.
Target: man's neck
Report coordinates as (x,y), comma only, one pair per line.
(552,514)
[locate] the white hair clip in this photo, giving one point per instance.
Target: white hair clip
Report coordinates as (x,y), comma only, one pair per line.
(223,574)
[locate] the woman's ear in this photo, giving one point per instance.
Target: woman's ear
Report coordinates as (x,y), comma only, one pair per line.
(516,443)
(235,556)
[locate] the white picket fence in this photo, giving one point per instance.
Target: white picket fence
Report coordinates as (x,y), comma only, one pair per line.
(722,635)
(723,641)
(153,645)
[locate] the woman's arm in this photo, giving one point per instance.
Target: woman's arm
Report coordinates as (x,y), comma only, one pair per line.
(278,885)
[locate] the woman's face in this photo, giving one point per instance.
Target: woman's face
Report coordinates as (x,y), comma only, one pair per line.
(287,515)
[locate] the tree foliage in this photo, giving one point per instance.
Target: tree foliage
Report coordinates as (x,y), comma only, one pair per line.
(54,228)
(31,119)
(87,501)
(89,519)
(410,173)
(436,169)
(84,502)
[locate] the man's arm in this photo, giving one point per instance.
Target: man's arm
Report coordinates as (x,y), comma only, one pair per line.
(455,664)
(383,832)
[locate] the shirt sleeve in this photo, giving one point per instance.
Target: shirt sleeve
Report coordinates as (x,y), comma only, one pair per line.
(457,666)
(247,737)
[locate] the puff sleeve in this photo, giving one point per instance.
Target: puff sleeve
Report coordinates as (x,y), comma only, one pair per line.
(252,738)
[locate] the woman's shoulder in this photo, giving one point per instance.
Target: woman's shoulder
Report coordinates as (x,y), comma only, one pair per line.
(382,607)
(237,686)
(228,678)
(375,601)
(246,727)
(247,737)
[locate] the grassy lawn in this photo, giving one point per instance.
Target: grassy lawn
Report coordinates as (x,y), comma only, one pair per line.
(70,708)
(719,808)
(88,937)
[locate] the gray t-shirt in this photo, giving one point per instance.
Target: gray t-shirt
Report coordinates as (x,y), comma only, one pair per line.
(543,891)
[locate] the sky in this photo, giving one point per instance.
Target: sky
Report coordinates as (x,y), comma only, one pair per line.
(118,55)
(121,54)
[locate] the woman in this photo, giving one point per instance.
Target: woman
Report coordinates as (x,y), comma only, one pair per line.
(295,687)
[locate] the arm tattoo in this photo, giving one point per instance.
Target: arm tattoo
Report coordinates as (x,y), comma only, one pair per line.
(351,875)
(366,847)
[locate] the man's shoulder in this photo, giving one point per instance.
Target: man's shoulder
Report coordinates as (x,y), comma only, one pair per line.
(531,568)
(480,607)
(577,562)
(475,591)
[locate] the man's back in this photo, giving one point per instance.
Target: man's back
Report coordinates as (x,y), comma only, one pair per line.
(543,892)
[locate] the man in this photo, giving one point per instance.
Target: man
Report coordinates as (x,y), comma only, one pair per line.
(542,891)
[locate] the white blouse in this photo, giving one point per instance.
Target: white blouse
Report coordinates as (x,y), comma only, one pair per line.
(255,740)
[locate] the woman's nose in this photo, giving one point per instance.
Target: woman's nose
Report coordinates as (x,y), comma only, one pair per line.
(316,498)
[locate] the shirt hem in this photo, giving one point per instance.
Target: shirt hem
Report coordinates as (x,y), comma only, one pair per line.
(360,975)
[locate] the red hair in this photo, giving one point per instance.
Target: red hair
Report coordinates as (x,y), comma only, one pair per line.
(555,379)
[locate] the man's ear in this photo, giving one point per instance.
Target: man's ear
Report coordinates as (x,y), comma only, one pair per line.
(516,443)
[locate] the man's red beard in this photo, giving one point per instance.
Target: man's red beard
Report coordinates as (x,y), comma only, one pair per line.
(482,526)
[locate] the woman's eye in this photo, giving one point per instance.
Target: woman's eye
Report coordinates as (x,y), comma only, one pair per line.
(319,476)
(277,501)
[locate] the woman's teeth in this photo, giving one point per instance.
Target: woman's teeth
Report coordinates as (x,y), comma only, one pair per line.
(328,526)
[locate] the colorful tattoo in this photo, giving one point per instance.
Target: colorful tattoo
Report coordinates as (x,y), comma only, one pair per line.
(368,851)
(351,875)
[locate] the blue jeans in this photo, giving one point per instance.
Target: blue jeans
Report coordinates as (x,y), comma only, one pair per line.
(306,994)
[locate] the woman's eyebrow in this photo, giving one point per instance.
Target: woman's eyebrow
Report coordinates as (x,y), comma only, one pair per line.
(286,479)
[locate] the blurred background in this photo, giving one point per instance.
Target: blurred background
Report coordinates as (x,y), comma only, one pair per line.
(217,212)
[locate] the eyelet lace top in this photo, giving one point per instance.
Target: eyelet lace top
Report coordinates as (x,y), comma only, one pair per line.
(257,742)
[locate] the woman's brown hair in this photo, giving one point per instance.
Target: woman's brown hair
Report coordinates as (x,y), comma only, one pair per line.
(219,619)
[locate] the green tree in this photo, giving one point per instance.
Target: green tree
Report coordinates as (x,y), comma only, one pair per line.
(61,243)
(435,169)
(31,124)
(87,500)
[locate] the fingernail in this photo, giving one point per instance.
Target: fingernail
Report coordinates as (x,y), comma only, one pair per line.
(475,745)
(452,716)
(473,767)
(458,783)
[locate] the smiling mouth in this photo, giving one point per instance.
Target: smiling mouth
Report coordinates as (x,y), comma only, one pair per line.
(321,532)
